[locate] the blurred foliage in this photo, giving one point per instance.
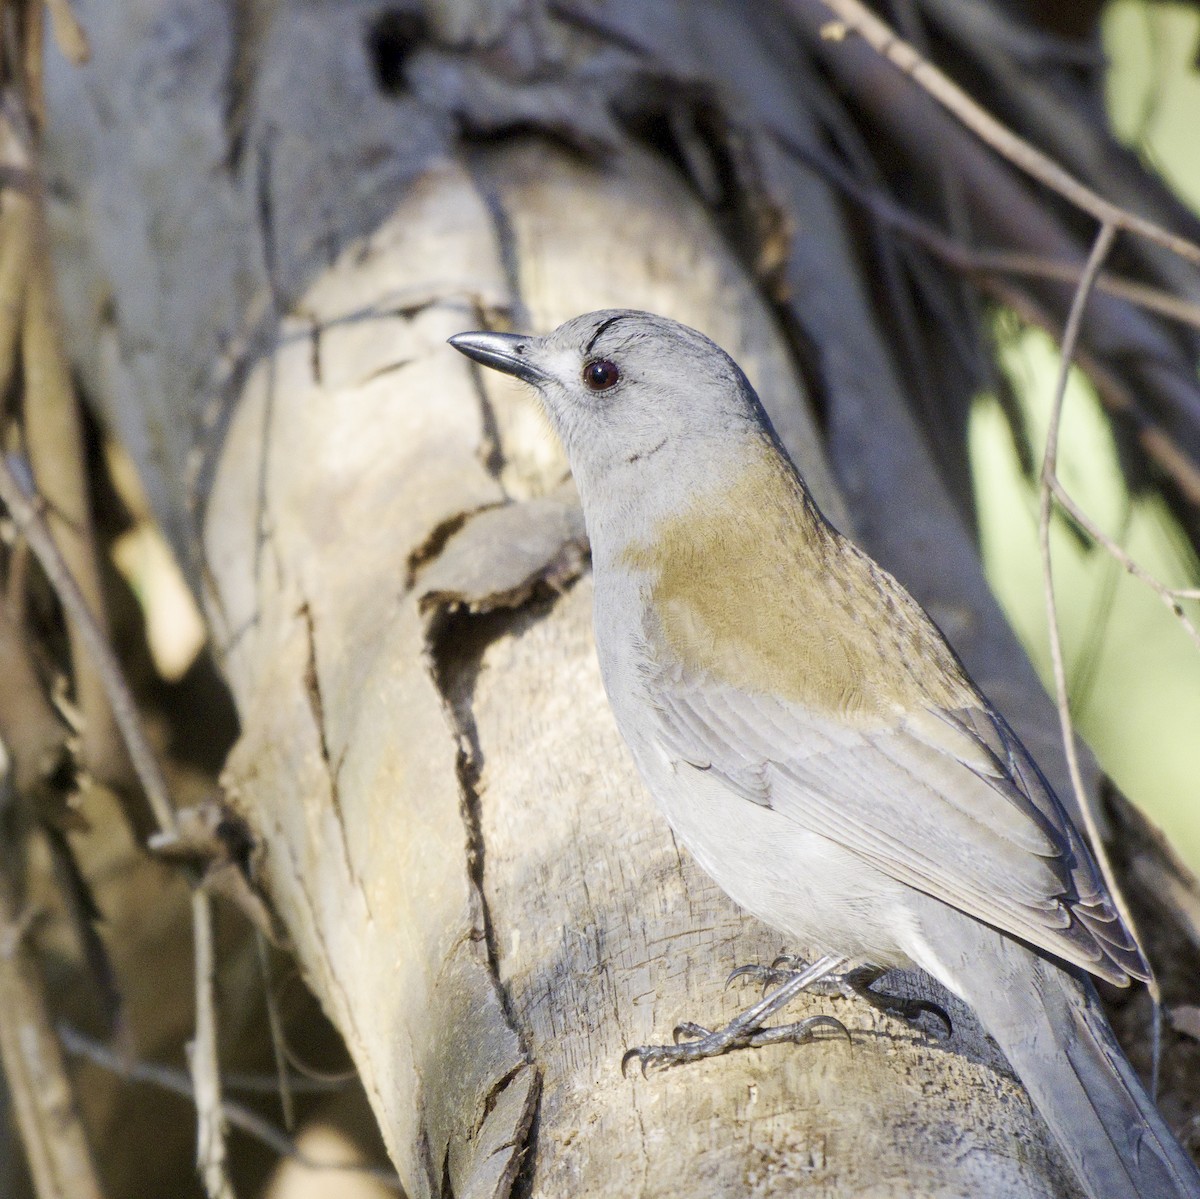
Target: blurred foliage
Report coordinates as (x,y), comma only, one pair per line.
(1154,87)
(1134,674)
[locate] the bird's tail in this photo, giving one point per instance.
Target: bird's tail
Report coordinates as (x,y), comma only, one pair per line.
(1048,1021)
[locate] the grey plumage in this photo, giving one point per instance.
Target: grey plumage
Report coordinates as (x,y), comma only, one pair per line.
(815,742)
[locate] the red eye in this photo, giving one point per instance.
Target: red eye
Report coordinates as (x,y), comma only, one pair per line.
(600,374)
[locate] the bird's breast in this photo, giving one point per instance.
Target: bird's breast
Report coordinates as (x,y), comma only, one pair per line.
(749,585)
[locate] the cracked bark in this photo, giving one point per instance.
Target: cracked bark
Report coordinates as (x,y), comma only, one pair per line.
(395,574)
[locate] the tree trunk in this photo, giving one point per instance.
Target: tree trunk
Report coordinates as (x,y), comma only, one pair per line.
(269,219)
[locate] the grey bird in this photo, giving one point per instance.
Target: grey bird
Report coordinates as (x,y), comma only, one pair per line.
(817,745)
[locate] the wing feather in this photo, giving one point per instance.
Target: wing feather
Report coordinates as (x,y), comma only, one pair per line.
(948,802)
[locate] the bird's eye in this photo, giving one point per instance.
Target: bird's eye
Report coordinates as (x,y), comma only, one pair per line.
(600,374)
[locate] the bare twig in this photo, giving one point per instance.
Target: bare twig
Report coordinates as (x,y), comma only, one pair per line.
(211,1136)
(1100,248)
(1172,597)
(16,226)
(278,1041)
(314,1074)
(56,1146)
(856,17)
(1097,621)
(1115,392)
(25,516)
(1047,491)
(1152,299)
(53,434)
(974,261)
(238,1115)
(171,1078)
(211,1153)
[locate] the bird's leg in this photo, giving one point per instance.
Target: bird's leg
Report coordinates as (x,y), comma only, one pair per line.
(747,1029)
(859,983)
(853,984)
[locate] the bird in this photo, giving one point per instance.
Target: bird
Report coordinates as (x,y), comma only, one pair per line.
(817,745)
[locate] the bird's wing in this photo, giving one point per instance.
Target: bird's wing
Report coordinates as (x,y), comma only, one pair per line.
(949,802)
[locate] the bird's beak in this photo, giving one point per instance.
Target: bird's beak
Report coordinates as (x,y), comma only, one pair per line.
(507,352)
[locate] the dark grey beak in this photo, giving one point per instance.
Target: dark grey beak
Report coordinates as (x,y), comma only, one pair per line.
(507,352)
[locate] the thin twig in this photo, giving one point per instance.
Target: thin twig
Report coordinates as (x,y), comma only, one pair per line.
(1097,620)
(313,1074)
(16,244)
(856,17)
(27,519)
(278,1041)
(80,1044)
(1170,596)
(43,1099)
(1099,252)
(1152,299)
(211,1151)
(210,1128)
(1003,262)
(1115,393)
(1046,495)
(54,442)
(238,1115)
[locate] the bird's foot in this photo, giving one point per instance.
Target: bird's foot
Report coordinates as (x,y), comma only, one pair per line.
(783,969)
(858,983)
(694,1042)
(853,984)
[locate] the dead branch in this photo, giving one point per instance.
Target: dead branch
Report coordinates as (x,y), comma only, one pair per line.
(56,1145)
(211,1153)
(33,528)
(857,18)
(1083,797)
(236,1115)
(54,442)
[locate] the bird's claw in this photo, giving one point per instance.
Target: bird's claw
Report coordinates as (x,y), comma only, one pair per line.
(629,1055)
(911,1011)
(767,975)
(900,1006)
(783,968)
(703,1043)
(855,984)
(800,1031)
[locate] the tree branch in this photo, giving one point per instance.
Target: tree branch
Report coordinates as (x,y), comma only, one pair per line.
(856,17)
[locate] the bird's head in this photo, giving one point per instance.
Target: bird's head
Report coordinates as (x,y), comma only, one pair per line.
(635,398)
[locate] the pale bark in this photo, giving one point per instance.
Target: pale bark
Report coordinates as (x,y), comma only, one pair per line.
(469,872)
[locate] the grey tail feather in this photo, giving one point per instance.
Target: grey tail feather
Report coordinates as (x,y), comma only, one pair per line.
(1058,1040)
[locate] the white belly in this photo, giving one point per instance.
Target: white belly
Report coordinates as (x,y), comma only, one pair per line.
(820,896)
(823,898)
